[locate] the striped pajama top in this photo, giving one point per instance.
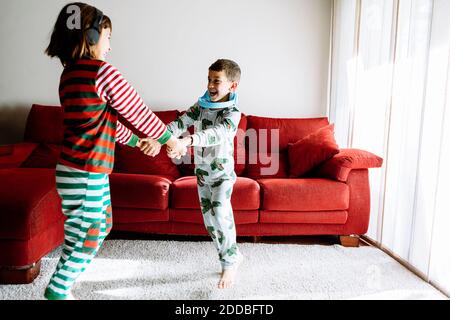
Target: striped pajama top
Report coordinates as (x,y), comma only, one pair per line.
(92,94)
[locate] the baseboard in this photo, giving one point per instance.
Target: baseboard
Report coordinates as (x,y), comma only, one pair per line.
(404,263)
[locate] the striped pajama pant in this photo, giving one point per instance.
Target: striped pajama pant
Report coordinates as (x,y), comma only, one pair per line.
(86,203)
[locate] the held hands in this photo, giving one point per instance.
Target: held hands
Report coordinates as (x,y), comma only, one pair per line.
(149,146)
(179,147)
(176,148)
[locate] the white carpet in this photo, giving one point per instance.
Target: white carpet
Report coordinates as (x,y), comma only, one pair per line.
(149,269)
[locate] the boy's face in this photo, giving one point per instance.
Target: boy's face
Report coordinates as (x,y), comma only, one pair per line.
(219,87)
(103,46)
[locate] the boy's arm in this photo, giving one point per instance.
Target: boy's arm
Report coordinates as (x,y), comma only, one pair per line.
(112,87)
(151,147)
(216,135)
(182,123)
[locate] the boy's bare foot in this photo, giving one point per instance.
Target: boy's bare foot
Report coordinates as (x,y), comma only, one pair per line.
(229,274)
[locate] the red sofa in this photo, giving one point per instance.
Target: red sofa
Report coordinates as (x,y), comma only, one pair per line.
(155,195)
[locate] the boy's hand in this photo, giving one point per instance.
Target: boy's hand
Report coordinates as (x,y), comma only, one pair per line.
(176,148)
(149,146)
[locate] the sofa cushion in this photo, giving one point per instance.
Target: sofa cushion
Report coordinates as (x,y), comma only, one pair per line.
(44,124)
(262,152)
(303,194)
(139,191)
(187,167)
(184,194)
(132,160)
(311,151)
(29,202)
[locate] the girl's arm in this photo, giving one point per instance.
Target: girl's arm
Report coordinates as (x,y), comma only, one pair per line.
(114,89)
(125,135)
(176,127)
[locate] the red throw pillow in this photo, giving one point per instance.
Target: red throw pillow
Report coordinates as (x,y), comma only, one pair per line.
(312,150)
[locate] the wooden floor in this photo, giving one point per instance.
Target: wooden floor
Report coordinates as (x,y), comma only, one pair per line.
(319,240)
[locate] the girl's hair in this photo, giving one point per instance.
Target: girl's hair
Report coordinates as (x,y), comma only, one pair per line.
(70,43)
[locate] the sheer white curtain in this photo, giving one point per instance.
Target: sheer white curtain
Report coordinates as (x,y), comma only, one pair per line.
(390,95)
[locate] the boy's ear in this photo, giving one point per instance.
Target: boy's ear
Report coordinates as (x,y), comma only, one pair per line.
(233,87)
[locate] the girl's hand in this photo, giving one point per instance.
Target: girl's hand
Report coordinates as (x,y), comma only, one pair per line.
(149,146)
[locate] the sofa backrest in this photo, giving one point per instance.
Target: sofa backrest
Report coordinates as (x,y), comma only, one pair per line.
(267,158)
(44,124)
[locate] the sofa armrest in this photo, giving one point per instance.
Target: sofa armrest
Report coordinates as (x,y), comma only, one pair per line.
(340,165)
(13,155)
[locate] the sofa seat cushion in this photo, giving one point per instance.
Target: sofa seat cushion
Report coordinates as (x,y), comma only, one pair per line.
(139,191)
(29,202)
(303,194)
(245,194)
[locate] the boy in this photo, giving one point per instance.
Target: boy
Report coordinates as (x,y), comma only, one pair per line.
(215,118)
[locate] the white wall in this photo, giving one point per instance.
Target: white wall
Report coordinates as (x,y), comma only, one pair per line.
(164,47)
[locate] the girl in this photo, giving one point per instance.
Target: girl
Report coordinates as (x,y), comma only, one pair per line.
(92,93)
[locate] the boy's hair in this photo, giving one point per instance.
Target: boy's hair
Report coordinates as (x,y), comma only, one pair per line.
(231,68)
(71,44)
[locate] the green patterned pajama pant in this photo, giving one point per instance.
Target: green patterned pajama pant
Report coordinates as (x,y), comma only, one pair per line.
(215,202)
(87,205)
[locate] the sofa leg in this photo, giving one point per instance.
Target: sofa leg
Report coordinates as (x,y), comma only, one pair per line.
(256,239)
(20,275)
(349,241)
